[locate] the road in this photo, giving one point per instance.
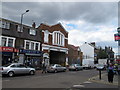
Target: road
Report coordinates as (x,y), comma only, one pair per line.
(66,79)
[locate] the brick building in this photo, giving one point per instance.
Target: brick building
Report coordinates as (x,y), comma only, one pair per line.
(74,55)
(55,44)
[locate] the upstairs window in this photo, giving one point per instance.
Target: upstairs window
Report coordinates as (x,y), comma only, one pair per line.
(58,38)
(5,25)
(46,34)
(37,46)
(27,45)
(7,41)
(4,41)
(10,42)
(32,45)
(32,32)
(20,28)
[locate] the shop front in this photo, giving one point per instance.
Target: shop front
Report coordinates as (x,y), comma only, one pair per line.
(31,58)
(9,55)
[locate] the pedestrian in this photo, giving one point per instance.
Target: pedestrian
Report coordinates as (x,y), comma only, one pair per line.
(110,73)
(118,69)
(43,67)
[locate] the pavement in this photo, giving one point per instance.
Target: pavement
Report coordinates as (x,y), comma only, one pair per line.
(95,82)
(104,79)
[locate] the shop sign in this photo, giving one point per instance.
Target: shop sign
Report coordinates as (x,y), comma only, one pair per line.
(30,51)
(117,37)
(8,49)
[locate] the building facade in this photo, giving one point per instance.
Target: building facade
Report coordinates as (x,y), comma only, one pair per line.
(74,55)
(20,43)
(55,44)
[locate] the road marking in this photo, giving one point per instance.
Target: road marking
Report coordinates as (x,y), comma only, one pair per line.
(78,86)
(87,82)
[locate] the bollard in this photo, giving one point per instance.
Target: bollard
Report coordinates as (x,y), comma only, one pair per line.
(99,74)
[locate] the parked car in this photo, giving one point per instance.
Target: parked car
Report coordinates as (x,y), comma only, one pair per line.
(75,67)
(16,68)
(100,67)
(56,68)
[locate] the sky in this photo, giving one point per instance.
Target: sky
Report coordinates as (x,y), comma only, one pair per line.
(85,21)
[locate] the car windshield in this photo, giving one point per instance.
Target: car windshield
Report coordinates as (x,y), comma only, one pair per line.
(7,65)
(100,65)
(52,65)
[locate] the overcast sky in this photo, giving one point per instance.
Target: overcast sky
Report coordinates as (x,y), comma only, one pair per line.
(85,21)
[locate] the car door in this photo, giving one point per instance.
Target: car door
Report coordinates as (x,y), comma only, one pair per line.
(15,69)
(58,67)
(22,69)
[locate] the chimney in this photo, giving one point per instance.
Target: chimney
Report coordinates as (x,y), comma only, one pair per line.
(93,43)
(33,25)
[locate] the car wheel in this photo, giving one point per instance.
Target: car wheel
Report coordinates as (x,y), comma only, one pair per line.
(11,74)
(55,71)
(32,72)
(64,70)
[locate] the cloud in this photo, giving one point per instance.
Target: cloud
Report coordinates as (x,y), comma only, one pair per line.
(85,21)
(51,12)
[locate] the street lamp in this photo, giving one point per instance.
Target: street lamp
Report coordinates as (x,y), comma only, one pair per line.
(22,20)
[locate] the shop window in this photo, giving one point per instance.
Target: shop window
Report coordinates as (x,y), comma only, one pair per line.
(32,32)
(10,42)
(4,41)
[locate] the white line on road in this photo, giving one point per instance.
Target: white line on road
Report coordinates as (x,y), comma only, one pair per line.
(78,86)
(87,82)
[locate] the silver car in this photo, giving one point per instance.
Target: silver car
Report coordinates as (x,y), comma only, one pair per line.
(56,68)
(75,67)
(16,68)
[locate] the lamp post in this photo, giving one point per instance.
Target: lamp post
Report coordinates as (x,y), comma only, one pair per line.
(21,26)
(20,35)
(22,20)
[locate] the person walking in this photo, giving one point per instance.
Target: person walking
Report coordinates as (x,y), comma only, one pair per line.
(110,73)
(43,67)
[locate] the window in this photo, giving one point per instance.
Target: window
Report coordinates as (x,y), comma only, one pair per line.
(10,42)
(5,25)
(58,38)
(7,41)
(32,32)
(4,41)
(36,46)
(46,33)
(27,45)
(20,28)
(32,45)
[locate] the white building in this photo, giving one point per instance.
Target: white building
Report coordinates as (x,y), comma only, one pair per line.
(88,51)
